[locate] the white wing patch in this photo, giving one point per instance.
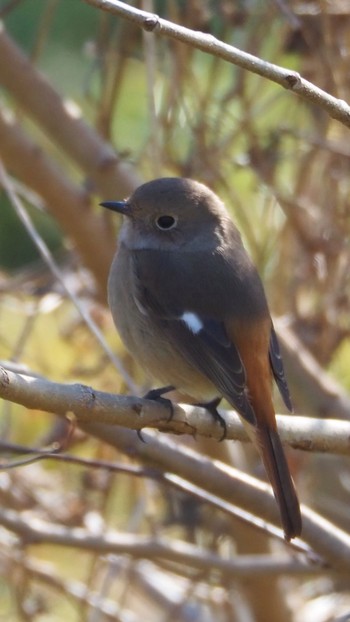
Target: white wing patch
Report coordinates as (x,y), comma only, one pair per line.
(140,307)
(192,321)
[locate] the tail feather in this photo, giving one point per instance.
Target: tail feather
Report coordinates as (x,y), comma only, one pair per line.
(277,469)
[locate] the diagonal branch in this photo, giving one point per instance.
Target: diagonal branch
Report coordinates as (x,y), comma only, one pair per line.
(61,121)
(337,108)
(68,203)
(315,389)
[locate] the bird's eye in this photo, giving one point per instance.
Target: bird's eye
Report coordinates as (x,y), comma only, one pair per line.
(166,222)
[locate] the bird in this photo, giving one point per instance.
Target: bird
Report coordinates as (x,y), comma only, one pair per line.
(190,307)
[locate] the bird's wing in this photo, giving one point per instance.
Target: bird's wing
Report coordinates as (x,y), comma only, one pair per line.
(278,370)
(200,339)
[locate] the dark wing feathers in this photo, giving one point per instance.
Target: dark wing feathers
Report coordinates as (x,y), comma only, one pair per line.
(278,370)
(219,362)
(216,332)
(209,350)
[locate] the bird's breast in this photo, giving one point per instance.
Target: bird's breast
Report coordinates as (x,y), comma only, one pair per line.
(143,337)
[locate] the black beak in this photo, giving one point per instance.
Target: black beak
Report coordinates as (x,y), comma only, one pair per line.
(122,207)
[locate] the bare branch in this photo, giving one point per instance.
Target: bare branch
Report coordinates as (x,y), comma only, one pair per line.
(45,573)
(291,80)
(316,390)
(89,405)
(327,540)
(221,480)
(62,122)
(5,182)
(38,532)
(65,201)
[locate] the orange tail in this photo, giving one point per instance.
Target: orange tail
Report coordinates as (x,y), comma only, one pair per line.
(277,469)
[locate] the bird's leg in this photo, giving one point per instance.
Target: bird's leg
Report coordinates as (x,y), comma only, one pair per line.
(156,396)
(211,407)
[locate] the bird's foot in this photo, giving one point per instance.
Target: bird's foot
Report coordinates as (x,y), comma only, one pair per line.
(211,407)
(156,396)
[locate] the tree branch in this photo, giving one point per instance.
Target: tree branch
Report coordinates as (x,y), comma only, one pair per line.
(228,484)
(135,413)
(61,121)
(44,251)
(66,202)
(315,390)
(223,481)
(149,547)
(337,108)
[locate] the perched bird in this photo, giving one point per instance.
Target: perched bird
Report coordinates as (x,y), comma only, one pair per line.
(190,307)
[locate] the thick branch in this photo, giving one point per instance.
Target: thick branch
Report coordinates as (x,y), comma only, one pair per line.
(328,541)
(225,482)
(291,80)
(68,203)
(135,413)
(62,122)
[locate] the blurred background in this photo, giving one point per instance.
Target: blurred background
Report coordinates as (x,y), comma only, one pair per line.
(90,107)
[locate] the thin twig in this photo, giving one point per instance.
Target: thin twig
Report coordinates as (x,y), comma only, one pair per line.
(337,108)
(149,547)
(43,249)
(66,201)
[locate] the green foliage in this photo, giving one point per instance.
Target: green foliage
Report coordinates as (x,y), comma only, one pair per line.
(70,23)
(16,247)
